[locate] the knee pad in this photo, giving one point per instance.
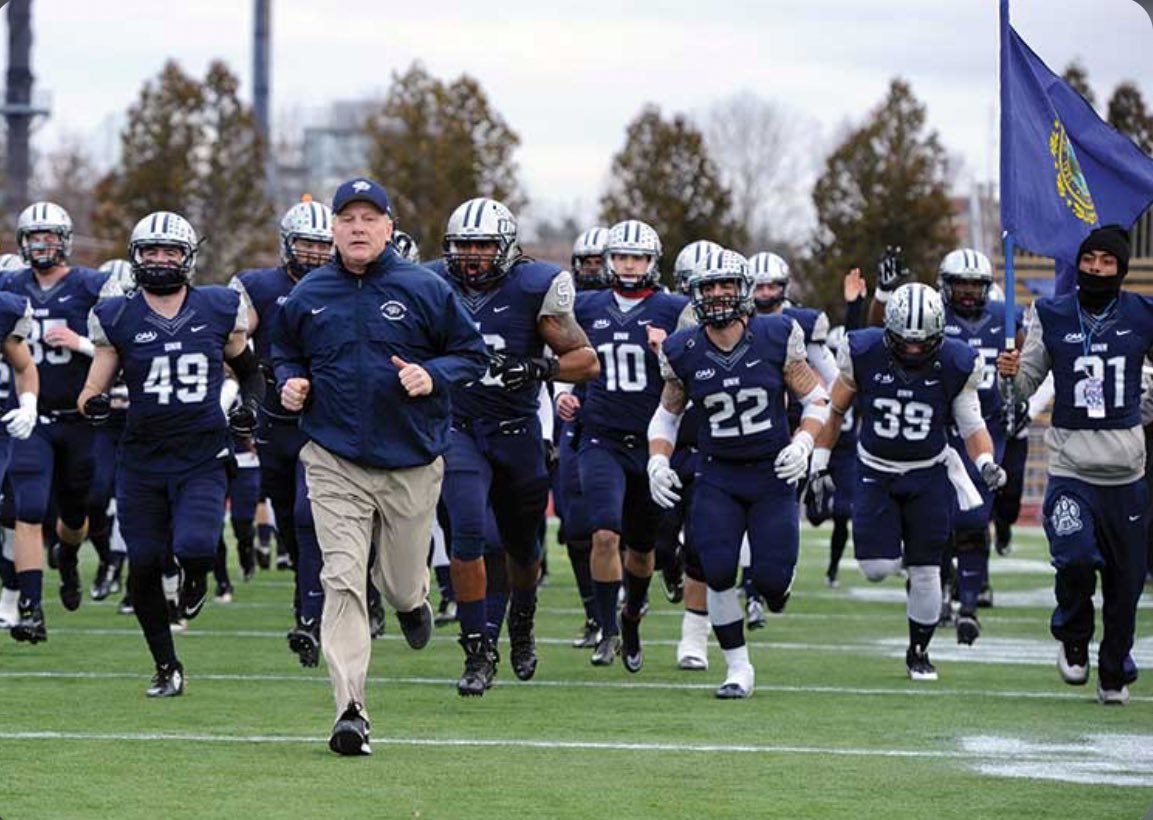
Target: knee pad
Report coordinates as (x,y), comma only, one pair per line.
(971,541)
(924,604)
(725,606)
(878,569)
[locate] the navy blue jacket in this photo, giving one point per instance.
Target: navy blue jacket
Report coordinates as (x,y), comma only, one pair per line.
(340,330)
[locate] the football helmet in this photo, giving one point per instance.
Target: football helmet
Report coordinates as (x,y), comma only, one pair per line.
(11,261)
(42,217)
(406,246)
(691,255)
(769,269)
(308,220)
(590,245)
(163,229)
(718,309)
(962,266)
(480,220)
(121,270)
(995,292)
(914,324)
(633,238)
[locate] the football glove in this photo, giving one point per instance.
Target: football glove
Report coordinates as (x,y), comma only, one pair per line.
(792,462)
(242,418)
(1018,421)
(517,372)
(663,482)
(22,420)
(821,487)
(993,475)
(98,408)
(891,270)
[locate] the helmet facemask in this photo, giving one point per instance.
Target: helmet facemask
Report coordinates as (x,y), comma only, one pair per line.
(966,295)
(45,248)
(162,277)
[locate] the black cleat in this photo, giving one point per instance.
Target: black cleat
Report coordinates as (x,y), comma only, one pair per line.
(632,655)
(673,578)
(755,612)
(106,583)
(607,648)
(350,733)
(445,612)
(376,618)
(125,606)
(304,640)
(31,626)
(417,625)
(985,597)
(479,665)
(1073,662)
(70,592)
(223,593)
(284,562)
(168,682)
(522,645)
(968,628)
(589,637)
(193,594)
(263,556)
(918,665)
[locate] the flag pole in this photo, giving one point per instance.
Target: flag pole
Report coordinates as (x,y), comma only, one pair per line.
(1008,386)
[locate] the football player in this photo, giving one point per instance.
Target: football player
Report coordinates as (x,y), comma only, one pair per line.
(907,379)
(496,455)
(688,260)
(171,340)
(736,366)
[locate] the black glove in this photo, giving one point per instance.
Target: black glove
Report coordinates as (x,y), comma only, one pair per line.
(242,418)
(551,455)
(993,476)
(98,408)
(1019,419)
(517,372)
(891,270)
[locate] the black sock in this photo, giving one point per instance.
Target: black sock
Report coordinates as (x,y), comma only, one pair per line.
(100,533)
(730,636)
(920,634)
(245,534)
(220,563)
(578,555)
(605,593)
(837,544)
(636,592)
(152,614)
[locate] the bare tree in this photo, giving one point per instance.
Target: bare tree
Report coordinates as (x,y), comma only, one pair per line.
(766,158)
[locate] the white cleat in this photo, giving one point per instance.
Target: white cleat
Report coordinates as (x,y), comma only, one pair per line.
(1112,697)
(9,608)
(738,685)
(693,647)
(1073,664)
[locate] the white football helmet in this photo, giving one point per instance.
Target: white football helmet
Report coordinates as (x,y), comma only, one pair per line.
(480,220)
(121,270)
(691,255)
(769,269)
(406,246)
(37,218)
(163,229)
(589,245)
(633,238)
(914,324)
(10,262)
(311,221)
(716,308)
(965,265)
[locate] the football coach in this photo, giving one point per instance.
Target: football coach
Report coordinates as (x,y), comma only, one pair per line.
(368,347)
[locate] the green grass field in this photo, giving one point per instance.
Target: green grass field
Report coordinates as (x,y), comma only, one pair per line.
(834,729)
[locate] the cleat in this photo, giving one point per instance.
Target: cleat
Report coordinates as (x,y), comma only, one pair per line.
(755,610)
(54,556)
(94,590)
(919,666)
(693,647)
(607,648)
(968,628)
(9,608)
(445,612)
(589,637)
(522,645)
(263,556)
(175,622)
(1073,663)
(70,591)
(831,581)
(738,684)
(350,733)
(1112,697)
(632,655)
(1004,548)
(30,628)
(106,583)
(947,618)
(223,593)
(985,597)
(479,665)
(284,562)
(304,640)
(125,606)
(377,620)
(168,682)
(673,578)
(417,625)
(193,594)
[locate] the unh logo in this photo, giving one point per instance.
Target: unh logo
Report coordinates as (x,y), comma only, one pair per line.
(360,186)
(1066,516)
(393,311)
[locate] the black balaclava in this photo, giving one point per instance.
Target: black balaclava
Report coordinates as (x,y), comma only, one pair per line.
(1096,292)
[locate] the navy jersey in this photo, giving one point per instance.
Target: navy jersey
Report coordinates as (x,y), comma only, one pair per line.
(507,317)
(1111,353)
(816,332)
(625,395)
(65,304)
(266,290)
(173,369)
(903,414)
(741,394)
(985,335)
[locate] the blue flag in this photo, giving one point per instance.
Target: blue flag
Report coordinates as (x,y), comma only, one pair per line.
(1064,170)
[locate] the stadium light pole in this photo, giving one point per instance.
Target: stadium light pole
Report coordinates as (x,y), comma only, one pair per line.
(18,109)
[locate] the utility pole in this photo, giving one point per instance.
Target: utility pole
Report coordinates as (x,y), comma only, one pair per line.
(18,110)
(261,77)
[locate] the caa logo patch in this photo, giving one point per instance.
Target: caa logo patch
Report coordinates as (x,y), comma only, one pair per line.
(1075,338)
(952,330)
(883,378)
(707,373)
(280,300)
(393,311)
(145,337)
(600,324)
(1066,516)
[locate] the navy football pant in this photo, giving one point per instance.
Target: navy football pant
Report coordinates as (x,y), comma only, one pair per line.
(58,455)
(278,446)
(902,514)
(615,484)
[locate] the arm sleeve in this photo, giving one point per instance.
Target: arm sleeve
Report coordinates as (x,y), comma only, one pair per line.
(823,361)
(854,314)
(967,404)
(464,356)
(1035,361)
(248,374)
(560,297)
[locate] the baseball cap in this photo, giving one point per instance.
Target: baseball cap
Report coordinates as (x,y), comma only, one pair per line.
(361,189)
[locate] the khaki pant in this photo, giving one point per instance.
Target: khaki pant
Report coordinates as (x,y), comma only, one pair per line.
(355,506)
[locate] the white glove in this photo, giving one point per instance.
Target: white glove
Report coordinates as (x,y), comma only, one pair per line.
(22,421)
(663,480)
(792,462)
(821,484)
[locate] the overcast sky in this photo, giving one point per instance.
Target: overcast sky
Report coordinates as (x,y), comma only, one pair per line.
(569,76)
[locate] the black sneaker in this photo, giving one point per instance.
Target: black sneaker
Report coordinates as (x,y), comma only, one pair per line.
(70,592)
(31,627)
(589,637)
(445,612)
(968,628)
(125,606)
(284,562)
(673,578)
(304,640)
(376,618)
(193,594)
(632,655)
(607,648)
(263,556)
(522,646)
(168,682)
(350,733)
(417,625)
(918,665)
(479,665)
